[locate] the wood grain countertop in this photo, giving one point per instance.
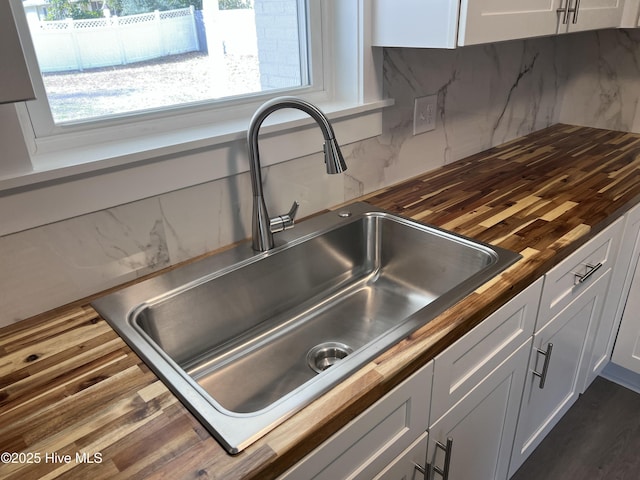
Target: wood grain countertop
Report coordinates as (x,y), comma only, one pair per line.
(70,385)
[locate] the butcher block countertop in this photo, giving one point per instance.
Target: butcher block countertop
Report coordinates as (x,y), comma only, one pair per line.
(70,386)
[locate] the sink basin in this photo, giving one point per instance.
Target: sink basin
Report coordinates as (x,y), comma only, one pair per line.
(246,339)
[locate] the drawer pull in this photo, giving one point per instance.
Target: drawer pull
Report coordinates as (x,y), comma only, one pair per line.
(583,277)
(545,367)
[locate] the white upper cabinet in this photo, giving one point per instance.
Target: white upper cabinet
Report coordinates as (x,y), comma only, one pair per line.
(447,24)
(15,83)
(415,23)
(484,21)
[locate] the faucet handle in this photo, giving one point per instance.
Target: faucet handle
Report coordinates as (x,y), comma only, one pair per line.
(284,222)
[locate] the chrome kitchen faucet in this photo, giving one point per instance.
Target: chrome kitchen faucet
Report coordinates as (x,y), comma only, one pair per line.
(264,227)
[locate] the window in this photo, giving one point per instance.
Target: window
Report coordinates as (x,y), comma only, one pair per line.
(127,57)
(184,63)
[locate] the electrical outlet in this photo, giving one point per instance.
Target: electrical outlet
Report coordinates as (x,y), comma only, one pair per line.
(424,114)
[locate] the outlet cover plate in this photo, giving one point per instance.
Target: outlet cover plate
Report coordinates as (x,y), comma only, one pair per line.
(424,114)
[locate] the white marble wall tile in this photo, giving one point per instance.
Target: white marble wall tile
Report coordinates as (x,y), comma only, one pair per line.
(486,94)
(304,180)
(603,88)
(33,279)
(205,217)
(367,166)
(64,261)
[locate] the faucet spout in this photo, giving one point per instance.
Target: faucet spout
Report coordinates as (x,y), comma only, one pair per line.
(264,227)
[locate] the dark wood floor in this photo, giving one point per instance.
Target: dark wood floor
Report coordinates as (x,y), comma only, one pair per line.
(598,438)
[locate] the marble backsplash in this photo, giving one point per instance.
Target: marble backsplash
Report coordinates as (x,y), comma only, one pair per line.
(486,95)
(602,89)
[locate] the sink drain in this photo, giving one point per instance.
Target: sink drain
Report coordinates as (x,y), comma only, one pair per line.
(326,354)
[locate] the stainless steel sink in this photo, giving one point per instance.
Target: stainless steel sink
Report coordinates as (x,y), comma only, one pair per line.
(246,339)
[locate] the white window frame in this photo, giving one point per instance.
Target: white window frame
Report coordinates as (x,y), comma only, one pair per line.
(62,167)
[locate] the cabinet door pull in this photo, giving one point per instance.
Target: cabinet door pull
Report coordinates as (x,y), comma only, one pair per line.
(583,277)
(424,470)
(565,12)
(545,366)
(575,12)
(444,471)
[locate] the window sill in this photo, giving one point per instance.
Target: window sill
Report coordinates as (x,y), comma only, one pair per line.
(128,170)
(64,163)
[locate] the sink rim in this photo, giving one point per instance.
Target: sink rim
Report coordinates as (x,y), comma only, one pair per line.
(236,430)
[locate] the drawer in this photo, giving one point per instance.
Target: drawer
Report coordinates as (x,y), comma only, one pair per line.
(470,359)
(373,439)
(567,280)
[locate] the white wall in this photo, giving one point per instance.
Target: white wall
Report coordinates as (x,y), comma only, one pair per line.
(487,95)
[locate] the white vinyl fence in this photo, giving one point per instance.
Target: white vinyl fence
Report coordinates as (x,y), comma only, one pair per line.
(80,44)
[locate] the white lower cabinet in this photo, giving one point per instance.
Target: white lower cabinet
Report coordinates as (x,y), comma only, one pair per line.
(481,426)
(565,282)
(375,438)
(554,378)
(477,388)
(602,338)
(626,352)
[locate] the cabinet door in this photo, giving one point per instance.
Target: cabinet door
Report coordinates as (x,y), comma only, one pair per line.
(415,23)
(482,424)
(626,352)
(602,339)
(484,21)
(627,349)
(543,407)
(595,14)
